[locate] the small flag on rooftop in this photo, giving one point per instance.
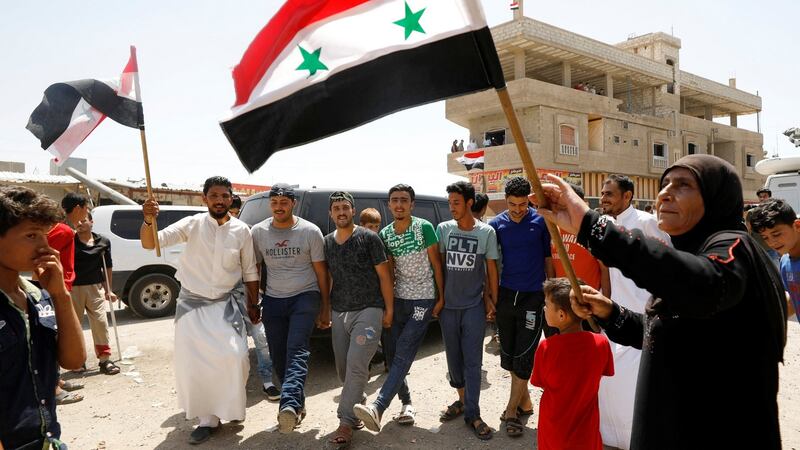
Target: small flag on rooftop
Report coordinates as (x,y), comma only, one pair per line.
(70,111)
(321,67)
(514,6)
(472,160)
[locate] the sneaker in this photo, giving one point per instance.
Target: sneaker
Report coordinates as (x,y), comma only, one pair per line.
(287,420)
(201,434)
(273,394)
(406,416)
(369,415)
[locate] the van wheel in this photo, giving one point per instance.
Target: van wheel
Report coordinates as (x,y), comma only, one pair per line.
(154,295)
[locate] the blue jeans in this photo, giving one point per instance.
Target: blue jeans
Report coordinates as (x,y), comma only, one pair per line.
(409,324)
(289,323)
(463,331)
(260,340)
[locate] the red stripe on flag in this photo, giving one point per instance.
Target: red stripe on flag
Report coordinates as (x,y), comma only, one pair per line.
(473,155)
(132,65)
(294,16)
(126,80)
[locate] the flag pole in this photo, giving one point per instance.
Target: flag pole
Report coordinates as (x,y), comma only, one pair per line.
(111,304)
(144,152)
(536,183)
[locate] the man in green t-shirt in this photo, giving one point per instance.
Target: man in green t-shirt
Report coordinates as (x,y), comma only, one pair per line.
(414,255)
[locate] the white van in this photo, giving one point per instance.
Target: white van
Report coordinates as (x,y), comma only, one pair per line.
(143,281)
(786,186)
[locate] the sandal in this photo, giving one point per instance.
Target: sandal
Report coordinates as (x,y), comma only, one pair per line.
(514,427)
(109,368)
(520,414)
(71,386)
(452,411)
(65,398)
(341,437)
(481,430)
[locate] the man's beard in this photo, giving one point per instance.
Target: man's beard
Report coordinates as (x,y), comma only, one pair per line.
(218,215)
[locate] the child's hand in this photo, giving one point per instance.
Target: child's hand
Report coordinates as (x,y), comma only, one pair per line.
(593,303)
(48,270)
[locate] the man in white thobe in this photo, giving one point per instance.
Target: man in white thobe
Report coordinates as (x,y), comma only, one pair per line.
(211,363)
(616,394)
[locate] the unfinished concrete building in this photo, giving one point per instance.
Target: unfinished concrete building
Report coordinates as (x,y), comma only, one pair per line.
(588,109)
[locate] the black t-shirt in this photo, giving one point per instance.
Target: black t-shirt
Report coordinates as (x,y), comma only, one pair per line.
(88,262)
(352,266)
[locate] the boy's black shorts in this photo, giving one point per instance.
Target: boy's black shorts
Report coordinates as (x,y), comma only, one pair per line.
(520,318)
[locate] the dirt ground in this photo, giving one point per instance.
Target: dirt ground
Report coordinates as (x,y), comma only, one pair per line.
(130,411)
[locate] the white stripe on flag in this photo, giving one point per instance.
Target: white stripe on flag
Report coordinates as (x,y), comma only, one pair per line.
(84,120)
(359,35)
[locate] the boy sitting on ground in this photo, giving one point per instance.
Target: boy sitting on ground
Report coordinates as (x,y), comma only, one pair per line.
(776,222)
(38,327)
(568,366)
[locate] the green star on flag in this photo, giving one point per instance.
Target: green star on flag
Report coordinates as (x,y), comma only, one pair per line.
(411,21)
(311,61)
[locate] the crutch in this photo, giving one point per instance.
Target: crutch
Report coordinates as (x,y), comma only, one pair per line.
(111,306)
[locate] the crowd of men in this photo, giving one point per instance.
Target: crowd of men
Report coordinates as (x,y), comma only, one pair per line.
(279,280)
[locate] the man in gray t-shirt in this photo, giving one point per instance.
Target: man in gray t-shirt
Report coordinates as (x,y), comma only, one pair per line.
(296,296)
(363,302)
(469,254)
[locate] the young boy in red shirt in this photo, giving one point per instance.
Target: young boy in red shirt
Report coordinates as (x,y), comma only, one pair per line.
(568,366)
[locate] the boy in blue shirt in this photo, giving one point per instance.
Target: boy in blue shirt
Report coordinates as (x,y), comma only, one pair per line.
(776,222)
(38,327)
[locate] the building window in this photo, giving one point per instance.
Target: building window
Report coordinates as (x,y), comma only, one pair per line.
(660,155)
(492,138)
(635,142)
(750,161)
(616,139)
(691,149)
(569,140)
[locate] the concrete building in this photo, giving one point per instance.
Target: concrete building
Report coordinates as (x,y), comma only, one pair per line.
(588,109)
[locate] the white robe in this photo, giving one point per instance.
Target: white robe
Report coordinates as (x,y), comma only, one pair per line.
(616,394)
(211,364)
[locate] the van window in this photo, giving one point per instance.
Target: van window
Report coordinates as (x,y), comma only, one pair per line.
(426,210)
(444,212)
(126,223)
(255,210)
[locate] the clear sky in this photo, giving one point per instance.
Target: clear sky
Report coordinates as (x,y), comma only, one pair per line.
(187,49)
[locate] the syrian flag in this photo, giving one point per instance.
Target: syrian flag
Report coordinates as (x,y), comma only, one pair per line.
(70,111)
(321,67)
(472,160)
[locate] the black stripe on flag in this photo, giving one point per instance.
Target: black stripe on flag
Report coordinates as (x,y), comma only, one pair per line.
(447,68)
(52,117)
(474,166)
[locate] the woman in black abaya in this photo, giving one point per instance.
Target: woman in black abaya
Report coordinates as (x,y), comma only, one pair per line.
(714,331)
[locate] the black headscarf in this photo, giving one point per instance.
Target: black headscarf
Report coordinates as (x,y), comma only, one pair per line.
(721,190)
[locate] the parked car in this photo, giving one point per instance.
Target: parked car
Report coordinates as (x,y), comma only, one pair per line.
(144,281)
(312,205)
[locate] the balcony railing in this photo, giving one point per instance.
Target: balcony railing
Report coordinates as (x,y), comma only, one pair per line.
(569,150)
(660,162)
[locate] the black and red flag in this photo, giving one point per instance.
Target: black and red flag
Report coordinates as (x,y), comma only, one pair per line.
(70,111)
